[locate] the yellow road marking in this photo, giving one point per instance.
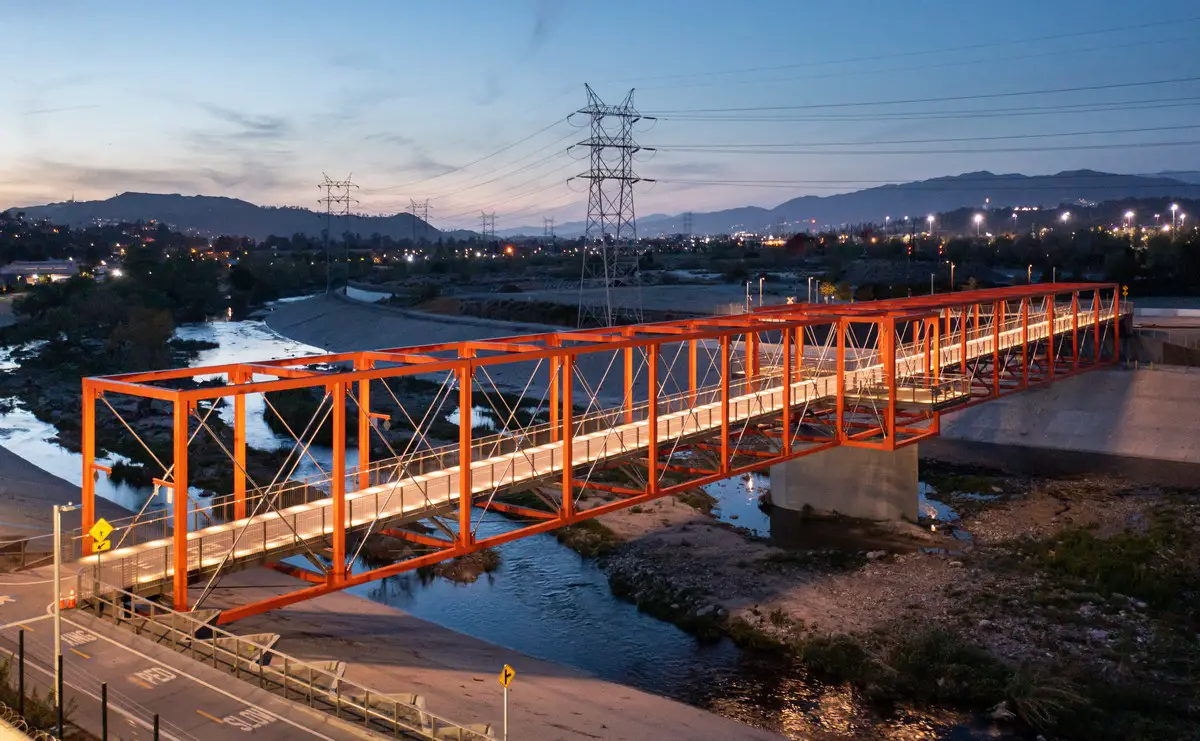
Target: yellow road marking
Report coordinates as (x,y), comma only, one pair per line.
(211,717)
(81,653)
(25,627)
(139,683)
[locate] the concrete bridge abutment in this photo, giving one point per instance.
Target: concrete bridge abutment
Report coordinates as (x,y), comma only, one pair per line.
(857,482)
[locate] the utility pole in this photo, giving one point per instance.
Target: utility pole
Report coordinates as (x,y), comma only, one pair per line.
(337,201)
(420,214)
(611,221)
(687,224)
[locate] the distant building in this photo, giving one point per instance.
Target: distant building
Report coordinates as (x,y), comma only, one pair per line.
(32,271)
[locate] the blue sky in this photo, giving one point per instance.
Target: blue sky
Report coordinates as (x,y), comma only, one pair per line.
(256,99)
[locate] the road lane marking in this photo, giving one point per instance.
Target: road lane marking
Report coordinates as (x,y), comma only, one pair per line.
(249,719)
(139,683)
(78,638)
(210,716)
(155,675)
(25,623)
(80,653)
(6,600)
(23,626)
(125,647)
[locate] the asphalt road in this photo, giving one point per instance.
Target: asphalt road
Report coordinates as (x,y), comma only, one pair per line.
(193,701)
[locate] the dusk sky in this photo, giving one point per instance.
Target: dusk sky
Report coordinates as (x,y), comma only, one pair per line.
(256,99)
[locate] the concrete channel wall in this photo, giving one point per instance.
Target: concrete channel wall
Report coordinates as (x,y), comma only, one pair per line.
(1113,418)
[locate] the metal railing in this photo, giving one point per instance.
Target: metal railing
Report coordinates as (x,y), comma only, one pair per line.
(246,659)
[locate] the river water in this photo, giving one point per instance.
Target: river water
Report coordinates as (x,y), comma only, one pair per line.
(555,604)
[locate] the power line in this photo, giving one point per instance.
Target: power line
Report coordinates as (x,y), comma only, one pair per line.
(1124,106)
(992,184)
(978,96)
(701,147)
(920,52)
(992,150)
(922,67)
(452,170)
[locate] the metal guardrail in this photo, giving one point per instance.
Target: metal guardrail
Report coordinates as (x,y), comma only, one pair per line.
(255,662)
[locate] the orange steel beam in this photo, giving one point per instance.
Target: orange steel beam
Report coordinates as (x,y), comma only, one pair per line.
(338,484)
(179,582)
(841,378)
(786,350)
(652,420)
(997,320)
(568,453)
(420,539)
(298,572)
(1116,326)
(518,511)
(627,396)
(364,426)
(88,422)
(1050,339)
(1024,343)
(888,342)
(555,384)
(692,371)
(1075,330)
(466,379)
(239,452)
(724,404)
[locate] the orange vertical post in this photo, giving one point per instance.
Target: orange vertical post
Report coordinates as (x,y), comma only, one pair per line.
(466,379)
(751,359)
(724,464)
(997,320)
(239,452)
(568,436)
(364,427)
(652,417)
(787,390)
(628,396)
(887,337)
(337,475)
(180,512)
(1116,324)
(1050,329)
(1074,330)
(1096,327)
(1025,342)
(962,330)
(799,352)
(555,373)
(841,377)
(937,351)
(88,422)
(692,371)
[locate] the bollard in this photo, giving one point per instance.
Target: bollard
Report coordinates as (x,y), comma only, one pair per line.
(59,696)
(156,727)
(21,673)
(104,711)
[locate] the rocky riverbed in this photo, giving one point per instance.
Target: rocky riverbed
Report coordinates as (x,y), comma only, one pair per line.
(1070,612)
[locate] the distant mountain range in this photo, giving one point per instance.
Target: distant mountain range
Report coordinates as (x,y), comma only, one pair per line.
(216,216)
(917,199)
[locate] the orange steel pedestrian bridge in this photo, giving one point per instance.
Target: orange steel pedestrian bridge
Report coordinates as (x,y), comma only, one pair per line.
(587,422)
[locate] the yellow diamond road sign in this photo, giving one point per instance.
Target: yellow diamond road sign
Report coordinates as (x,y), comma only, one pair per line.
(101,530)
(506,675)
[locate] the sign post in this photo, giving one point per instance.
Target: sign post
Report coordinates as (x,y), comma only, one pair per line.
(506,678)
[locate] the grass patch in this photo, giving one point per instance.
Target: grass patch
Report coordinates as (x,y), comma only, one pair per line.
(589,538)
(1160,565)
(699,500)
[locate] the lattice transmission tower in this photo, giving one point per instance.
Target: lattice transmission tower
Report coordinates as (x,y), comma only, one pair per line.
(487,230)
(420,214)
(338,201)
(610,255)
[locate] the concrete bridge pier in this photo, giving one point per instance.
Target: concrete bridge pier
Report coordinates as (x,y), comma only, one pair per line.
(856,482)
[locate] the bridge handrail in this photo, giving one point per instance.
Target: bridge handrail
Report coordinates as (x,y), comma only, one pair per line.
(362,700)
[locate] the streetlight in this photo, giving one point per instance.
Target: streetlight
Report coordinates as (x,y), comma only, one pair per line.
(1029,274)
(810,289)
(1054,274)
(1066,216)
(1129,220)
(747,297)
(1014,222)
(57,590)
(1174,208)
(887,220)
(931,291)
(978,221)
(951,276)
(760,289)
(930,220)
